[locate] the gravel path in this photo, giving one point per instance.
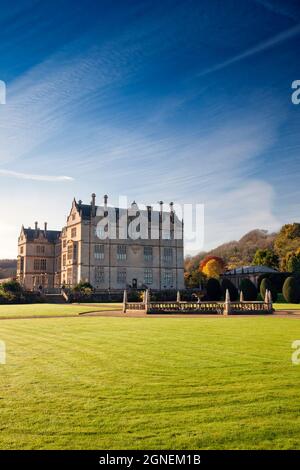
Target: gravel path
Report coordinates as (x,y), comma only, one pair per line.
(118,314)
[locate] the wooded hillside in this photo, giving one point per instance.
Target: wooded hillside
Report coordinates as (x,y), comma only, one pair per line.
(8,268)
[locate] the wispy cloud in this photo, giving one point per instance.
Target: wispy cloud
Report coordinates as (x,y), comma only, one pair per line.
(282,8)
(120,110)
(263,46)
(27,176)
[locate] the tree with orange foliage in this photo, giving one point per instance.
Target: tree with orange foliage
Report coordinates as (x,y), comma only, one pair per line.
(212,266)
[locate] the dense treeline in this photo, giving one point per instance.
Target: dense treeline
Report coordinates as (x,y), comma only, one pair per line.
(8,268)
(236,253)
(280,251)
(277,250)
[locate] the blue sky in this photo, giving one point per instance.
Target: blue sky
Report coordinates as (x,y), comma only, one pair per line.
(184,101)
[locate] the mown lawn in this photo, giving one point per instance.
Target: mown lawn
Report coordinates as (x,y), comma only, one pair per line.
(286,306)
(53,310)
(146,383)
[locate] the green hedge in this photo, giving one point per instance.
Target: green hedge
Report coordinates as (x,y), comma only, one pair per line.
(213,290)
(249,290)
(233,292)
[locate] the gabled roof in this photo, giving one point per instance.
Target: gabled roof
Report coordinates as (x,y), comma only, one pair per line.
(84,210)
(32,234)
(251,270)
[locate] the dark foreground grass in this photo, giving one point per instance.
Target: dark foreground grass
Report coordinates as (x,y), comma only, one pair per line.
(129,383)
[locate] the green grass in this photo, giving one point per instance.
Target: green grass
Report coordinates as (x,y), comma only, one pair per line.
(281,304)
(54,310)
(286,306)
(147,383)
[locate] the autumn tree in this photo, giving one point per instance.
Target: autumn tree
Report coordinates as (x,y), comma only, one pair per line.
(266,257)
(287,239)
(193,279)
(291,261)
(212,266)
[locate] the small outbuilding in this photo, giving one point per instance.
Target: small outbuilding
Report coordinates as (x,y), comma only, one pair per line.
(253,273)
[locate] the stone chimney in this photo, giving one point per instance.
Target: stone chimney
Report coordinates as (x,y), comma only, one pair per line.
(105,197)
(45,229)
(35,229)
(93,204)
(172,212)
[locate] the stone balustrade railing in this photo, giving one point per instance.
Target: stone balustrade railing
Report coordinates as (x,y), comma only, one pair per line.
(221,308)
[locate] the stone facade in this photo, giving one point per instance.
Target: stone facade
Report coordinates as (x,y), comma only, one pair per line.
(82,251)
(38,259)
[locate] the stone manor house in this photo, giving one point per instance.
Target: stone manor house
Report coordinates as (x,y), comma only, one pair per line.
(83,250)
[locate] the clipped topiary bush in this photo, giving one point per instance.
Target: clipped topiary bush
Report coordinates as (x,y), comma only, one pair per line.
(291,290)
(249,290)
(213,289)
(233,292)
(276,278)
(164,295)
(265,284)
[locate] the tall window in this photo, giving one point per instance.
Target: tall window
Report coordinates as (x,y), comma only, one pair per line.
(168,278)
(99,275)
(70,252)
(40,249)
(64,260)
(99,251)
(168,255)
(69,276)
(40,265)
(64,243)
(73,232)
(148,253)
(74,251)
(148,276)
(121,276)
(122,252)
(21,250)
(21,264)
